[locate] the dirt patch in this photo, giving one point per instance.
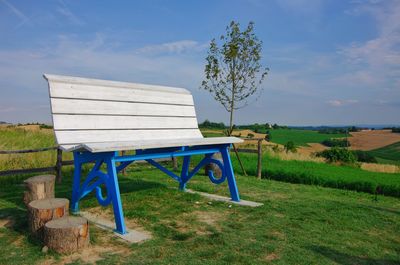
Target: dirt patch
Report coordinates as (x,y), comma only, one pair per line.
(271,257)
(210,218)
(369,140)
(7,222)
(245,133)
(311,148)
(91,254)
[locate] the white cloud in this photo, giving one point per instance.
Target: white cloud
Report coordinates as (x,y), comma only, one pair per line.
(173,47)
(378,59)
(342,102)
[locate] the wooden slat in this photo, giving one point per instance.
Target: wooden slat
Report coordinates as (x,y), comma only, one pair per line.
(82,122)
(157,143)
(78,91)
(109,83)
(77,106)
(87,136)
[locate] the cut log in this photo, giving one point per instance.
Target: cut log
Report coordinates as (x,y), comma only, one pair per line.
(42,211)
(38,188)
(213,167)
(67,234)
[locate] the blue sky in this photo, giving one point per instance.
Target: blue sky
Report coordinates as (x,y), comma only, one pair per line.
(332,62)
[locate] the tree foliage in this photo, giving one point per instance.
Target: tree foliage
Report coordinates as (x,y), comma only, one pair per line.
(233,71)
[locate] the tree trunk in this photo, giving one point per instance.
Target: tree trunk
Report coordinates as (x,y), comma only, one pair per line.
(233,97)
(39,187)
(42,211)
(67,234)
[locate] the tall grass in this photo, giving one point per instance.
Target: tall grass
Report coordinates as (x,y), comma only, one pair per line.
(16,138)
(321,174)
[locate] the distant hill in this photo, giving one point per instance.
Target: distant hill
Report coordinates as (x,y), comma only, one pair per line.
(3,122)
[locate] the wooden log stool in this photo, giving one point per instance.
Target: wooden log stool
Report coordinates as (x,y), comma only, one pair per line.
(67,234)
(42,211)
(39,187)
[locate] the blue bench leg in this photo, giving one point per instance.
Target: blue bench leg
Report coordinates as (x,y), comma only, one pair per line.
(76,184)
(184,173)
(115,196)
(229,174)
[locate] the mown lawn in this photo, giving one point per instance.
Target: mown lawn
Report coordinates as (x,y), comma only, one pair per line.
(298,224)
(300,137)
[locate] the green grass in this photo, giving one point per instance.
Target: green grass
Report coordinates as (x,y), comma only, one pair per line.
(300,137)
(387,154)
(322,174)
(298,224)
(18,138)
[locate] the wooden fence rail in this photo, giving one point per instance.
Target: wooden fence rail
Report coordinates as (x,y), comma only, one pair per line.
(60,163)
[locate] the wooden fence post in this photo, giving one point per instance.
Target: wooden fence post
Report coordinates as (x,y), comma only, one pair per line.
(174,163)
(59,165)
(259,164)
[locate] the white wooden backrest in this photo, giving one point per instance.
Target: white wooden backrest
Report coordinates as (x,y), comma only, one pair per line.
(91,111)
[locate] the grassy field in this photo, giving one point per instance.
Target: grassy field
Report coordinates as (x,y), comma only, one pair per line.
(298,224)
(388,154)
(322,174)
(300,137)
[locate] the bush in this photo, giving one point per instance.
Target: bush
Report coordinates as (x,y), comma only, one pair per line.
(45,126)
(338,154)
(363,156)
(396,130)
(250,135)
(336,142)
(290,147)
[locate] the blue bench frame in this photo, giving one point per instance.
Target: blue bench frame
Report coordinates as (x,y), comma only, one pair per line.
(96,177)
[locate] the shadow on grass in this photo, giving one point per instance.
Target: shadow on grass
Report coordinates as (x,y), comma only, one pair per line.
(18,222)
(343,258)
(13,191)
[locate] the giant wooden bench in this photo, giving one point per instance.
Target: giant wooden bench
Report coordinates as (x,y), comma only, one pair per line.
(96,118)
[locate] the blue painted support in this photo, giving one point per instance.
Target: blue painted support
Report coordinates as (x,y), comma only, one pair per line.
(96,178)
(94,181)
(76,183)
(115,196)
(163,169)
(228,169)
(184,173)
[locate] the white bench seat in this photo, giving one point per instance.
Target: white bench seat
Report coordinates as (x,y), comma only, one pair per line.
(96,118)
(101,116)
(146,144)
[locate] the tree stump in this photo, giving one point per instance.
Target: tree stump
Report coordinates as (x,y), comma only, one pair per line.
(42,211)
(67,234)
(214,168)
(39,187)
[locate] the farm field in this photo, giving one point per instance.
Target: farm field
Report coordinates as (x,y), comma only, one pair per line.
(370,140)
(381,144)
(387,154)
(298,224)
(301,137)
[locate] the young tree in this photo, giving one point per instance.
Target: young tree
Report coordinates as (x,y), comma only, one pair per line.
(233,71)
